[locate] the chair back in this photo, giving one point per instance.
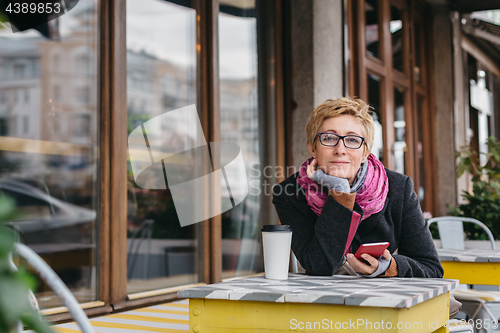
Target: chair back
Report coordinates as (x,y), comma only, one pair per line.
(56,284)
(451,231)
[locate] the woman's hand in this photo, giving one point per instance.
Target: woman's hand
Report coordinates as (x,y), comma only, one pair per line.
(331,182)
(362,268)
(312,167)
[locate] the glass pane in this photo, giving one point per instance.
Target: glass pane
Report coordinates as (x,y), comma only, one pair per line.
(420,151)
(400,131)
(374,99)
(372,33)
(161,77)
(49,144)
(417,69)
(240,124)
(481,99)
(396,27)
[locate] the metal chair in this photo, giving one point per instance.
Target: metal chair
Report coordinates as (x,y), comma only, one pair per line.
(451,231)
(478,305)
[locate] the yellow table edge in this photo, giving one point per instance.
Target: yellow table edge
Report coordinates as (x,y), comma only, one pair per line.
(472,272)
(216,315)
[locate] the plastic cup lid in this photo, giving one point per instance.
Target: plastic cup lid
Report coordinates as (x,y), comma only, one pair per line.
(276,227)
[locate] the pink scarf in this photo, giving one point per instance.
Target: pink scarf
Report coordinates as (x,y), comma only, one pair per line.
(371,197)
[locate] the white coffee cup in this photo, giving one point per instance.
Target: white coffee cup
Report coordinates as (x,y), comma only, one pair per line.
(276,242)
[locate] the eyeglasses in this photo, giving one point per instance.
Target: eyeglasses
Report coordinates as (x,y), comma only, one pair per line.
(350,141)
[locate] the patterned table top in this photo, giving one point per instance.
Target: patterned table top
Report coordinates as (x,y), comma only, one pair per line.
(469,255)
(337,289)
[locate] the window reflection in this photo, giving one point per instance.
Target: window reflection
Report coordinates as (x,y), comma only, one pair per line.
(396,28)
(372,30)
(400,131)
(374,99)
(239,101)
(49,144)
(161,74)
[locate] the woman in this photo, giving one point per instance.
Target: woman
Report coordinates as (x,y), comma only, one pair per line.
(343,197)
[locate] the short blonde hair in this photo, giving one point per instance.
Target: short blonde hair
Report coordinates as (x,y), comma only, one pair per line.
(341,106)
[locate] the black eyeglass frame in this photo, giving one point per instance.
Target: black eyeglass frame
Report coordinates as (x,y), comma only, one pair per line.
(340,138)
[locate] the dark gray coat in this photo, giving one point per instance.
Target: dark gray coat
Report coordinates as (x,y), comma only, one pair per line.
(319,241)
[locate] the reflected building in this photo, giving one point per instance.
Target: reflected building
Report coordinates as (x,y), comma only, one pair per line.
(48,93)
(240,226)
(156,86)
(20,88)
(48,144)
(158,249)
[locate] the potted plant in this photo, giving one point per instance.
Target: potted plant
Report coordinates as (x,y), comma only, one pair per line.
(483,202)
(15,302)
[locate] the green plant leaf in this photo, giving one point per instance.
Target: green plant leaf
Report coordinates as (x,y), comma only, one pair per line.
(32,320)
(7,209)
(15,301)
(483,203)
(461,168)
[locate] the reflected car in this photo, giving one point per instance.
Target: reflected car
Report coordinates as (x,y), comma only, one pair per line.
(45,219)
(60,232)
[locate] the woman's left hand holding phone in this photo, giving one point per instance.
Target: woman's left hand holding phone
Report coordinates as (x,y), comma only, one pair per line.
(362,268)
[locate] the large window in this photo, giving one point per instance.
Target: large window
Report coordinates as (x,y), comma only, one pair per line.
(189,88)
(161,77)
(245,96)
(49,141)
(116,87)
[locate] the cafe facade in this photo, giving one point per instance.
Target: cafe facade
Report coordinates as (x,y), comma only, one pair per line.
(72,92)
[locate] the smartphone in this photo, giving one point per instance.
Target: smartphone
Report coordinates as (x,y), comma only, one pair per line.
(373,249)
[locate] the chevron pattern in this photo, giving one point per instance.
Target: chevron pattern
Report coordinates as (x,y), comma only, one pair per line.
(337,289)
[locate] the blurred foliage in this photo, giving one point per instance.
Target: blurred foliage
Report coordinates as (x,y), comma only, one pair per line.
(3,17)
(15,301)
(434,230)
(483,203)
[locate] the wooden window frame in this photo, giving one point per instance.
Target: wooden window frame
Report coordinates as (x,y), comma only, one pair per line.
(280,91)
(402,77)
(383,111)
(361,64)
(470,47)
(207,84)
(112,247)
(424,89)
